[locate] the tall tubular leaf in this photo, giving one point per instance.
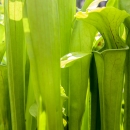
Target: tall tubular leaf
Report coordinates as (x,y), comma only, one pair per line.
(78,90)
(44,56)
(30,88)
(110,80)
(28,41)
(15,57)
(81,40)
(67,9)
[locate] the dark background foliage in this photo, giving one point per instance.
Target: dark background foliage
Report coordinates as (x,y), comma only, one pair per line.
(80,3)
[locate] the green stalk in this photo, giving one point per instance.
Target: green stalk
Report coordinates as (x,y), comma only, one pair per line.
(15,58)
(44,56)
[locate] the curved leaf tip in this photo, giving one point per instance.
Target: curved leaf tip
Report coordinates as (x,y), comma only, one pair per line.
(107,21)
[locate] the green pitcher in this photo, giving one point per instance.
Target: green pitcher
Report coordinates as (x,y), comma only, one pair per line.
(110,68)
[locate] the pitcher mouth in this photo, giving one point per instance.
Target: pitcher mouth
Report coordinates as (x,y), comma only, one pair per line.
(106,50)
